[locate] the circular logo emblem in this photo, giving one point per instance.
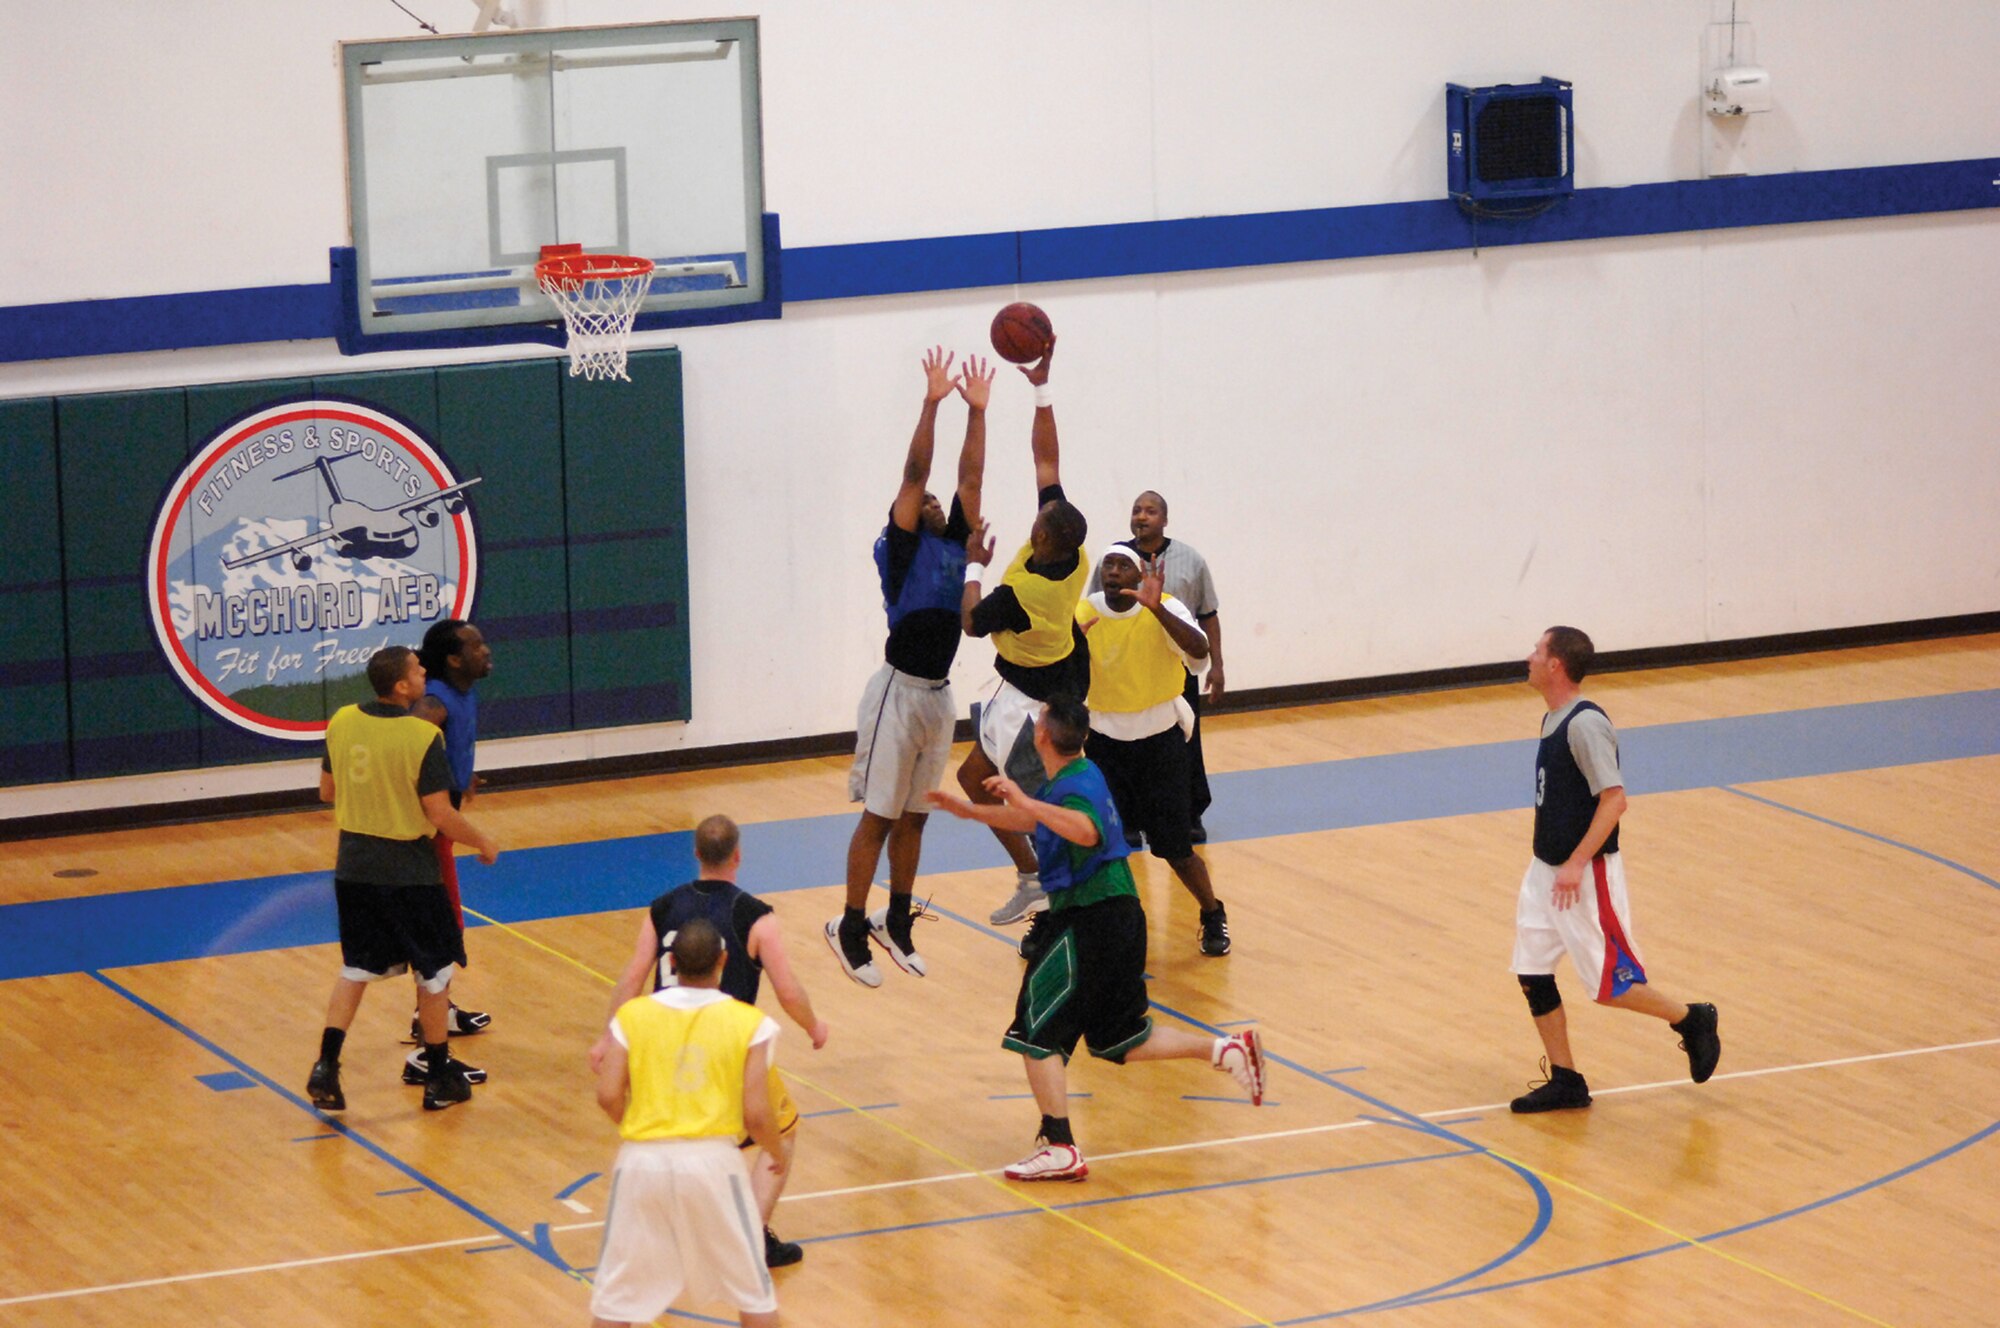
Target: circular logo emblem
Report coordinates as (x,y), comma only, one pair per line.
(293,545)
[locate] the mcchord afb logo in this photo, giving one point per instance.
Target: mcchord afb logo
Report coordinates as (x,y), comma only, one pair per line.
(296,543)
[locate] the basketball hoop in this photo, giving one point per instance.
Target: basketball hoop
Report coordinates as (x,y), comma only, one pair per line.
(598,296)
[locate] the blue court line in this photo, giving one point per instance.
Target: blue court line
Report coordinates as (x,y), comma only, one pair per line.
(1346,1069)
(541,1246)
(842,1111)
(492,1249)
(224,1081)
(1235,1101)
(341,1129)
(407,1189)
(576,1185)
(1544,1202)
(1926,854)
(313,1138)
(133,928)
(1737,1230)
(1238,1183)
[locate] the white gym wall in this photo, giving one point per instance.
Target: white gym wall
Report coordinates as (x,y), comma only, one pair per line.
(1392,464)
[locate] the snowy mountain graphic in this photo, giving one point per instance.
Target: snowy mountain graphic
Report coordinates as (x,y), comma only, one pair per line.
(252,535)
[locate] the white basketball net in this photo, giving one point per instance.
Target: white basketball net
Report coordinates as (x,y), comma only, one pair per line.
(598,308)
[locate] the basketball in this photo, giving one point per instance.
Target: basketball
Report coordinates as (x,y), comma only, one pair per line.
(1021,333)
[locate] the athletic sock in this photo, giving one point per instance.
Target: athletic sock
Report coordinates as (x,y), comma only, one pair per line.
(899,906)
(330,1042)
(1055,1129)
(854,921)
(435,1056)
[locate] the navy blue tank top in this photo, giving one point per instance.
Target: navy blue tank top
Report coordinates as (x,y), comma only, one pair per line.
(732,912)
(1564,804)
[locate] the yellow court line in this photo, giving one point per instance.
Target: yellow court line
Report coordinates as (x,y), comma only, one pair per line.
(520,935)
(930,1147)
(1695,1241)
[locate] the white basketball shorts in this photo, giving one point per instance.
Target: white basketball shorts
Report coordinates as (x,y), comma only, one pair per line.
(682,1225)
(1595,932)
(902,742)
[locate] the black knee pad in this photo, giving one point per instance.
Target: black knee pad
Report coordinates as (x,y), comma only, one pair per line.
(1540,989)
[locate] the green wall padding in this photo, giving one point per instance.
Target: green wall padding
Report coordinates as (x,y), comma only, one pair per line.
(580,512)
(504,422)
(117,451)
(625,486)
(34,683)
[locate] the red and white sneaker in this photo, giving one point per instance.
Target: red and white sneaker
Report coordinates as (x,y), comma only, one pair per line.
(1049,1162)
(1242,1056)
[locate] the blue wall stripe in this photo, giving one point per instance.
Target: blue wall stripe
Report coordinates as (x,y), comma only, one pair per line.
(1374,230)
(166,322)
(117,930)
(900,267)
(1077,253)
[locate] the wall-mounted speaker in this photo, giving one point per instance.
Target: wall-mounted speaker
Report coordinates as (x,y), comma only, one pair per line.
(1508,142)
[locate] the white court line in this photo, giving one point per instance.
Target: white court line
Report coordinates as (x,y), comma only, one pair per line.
(487,1236)
(1357,1124)
(482,1238)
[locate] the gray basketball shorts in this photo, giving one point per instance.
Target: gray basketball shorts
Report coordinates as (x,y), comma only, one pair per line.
(902,742)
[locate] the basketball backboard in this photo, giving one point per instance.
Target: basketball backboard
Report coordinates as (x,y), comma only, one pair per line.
(467,154)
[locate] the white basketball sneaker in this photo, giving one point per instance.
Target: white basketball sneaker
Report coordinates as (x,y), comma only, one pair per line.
(860,965)
(1049,1162)
(906,959)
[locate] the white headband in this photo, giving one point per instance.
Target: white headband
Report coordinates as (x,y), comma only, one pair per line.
(1125,551)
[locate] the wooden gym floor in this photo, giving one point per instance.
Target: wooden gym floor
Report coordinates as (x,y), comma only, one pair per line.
(1812,845)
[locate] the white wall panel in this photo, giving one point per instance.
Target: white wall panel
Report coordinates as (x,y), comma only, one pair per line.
(1394,464)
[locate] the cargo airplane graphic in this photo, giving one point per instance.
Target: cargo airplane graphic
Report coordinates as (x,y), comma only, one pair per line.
(357,530)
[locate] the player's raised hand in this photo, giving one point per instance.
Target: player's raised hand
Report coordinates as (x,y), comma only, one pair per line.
(975,384)
(979,544)
(938,381)
(1152,584)
(1038,372)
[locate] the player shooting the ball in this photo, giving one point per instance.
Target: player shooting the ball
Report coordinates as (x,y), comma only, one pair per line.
(1040,651)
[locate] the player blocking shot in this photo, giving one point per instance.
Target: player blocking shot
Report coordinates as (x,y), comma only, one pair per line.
(903,731)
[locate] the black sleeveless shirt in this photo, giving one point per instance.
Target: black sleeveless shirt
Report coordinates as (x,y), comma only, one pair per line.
(732,912)
(1564,804)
